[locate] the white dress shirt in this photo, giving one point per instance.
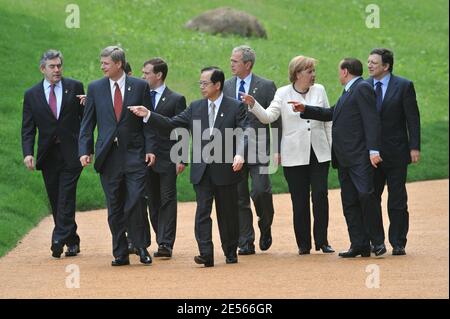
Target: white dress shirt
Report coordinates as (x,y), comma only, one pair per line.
(247,80)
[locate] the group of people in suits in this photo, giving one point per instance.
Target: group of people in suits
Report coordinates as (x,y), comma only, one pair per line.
(370,135)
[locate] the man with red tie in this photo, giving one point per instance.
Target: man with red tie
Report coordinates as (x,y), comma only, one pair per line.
(52,108)
(124,145)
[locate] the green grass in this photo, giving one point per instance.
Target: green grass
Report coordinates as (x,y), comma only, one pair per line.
(326,30)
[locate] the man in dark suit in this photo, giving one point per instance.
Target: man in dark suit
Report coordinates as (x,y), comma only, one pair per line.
(244,81)
(355,151)
(217,161)
(161,186)
(51,107)
(400,140)
(124,144)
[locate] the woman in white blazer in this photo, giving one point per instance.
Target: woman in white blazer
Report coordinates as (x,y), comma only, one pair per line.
(305,151)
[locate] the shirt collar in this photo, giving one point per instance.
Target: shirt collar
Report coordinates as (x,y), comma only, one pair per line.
(217,102)
(47,84)
(160,89)
(120,82)
(384,80)
(247,79)
(350,83)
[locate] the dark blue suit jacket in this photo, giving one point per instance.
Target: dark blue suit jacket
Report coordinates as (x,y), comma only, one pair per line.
(135,138)
(400,122)
(356,124)
(231,114)
(37,115)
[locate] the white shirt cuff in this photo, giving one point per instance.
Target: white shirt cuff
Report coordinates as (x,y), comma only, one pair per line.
(145,119)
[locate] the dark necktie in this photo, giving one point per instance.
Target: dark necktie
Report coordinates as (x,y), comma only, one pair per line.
(241,89)
(153,96)
(52,101)
(117,101)
(379,95)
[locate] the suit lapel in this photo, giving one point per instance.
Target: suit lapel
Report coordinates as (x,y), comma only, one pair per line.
(342,99)
(221,113)
(232,89)
(65,91)
(44,103)
(391,89)
(253,85)
(127,90)
(204,114)
(109,103)
(163,100)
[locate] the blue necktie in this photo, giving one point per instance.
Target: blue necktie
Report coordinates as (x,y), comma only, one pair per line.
(379,95)
(153,96)
(241,89)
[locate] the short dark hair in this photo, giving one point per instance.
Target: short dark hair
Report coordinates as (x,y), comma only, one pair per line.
(387,56)
(159,65)
(216,76)
(353,66)
(127,68)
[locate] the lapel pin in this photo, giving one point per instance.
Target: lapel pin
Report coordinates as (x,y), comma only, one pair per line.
(221,114)
(129,88)
(163,99)
(254,90)
(66,91)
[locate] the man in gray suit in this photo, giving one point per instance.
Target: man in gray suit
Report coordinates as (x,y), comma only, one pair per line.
(124,144)
(242,62)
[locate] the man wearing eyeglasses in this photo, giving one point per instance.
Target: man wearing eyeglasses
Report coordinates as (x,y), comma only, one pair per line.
(213,176)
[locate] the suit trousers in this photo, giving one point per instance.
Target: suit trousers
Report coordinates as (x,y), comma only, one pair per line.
(303,180)
(395,177)
(362,209)
(261,194)
(226,200)
(161,191)
(124,191)
(61,185)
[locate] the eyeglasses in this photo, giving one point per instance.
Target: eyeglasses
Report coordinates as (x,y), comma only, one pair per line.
(204,83)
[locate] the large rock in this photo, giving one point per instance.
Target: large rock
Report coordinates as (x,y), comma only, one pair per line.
(227,20)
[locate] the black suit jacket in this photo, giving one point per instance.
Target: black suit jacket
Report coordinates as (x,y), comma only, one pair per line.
(134,137)
(170,104)
(356,125)
(263,91)
(37,115)
(231,114)
(400,122)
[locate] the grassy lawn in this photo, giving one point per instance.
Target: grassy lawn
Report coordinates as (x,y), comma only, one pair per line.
(327,30)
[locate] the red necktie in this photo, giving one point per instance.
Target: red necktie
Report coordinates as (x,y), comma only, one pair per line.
(117,102)
(52,100)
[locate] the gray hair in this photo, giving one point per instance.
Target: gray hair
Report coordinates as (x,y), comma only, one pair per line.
(247,53)
(50,55)
(116,53)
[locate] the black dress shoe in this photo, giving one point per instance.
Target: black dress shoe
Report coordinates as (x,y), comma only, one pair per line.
(379,250)
(353,252)
(120,261)
(163,251)
(265,241)
(326,249)
(231,259)
(398,251)
(302,251)
(204,260)
(132,250)
(144,256)
(247,249)
(57,249)
(72,250)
